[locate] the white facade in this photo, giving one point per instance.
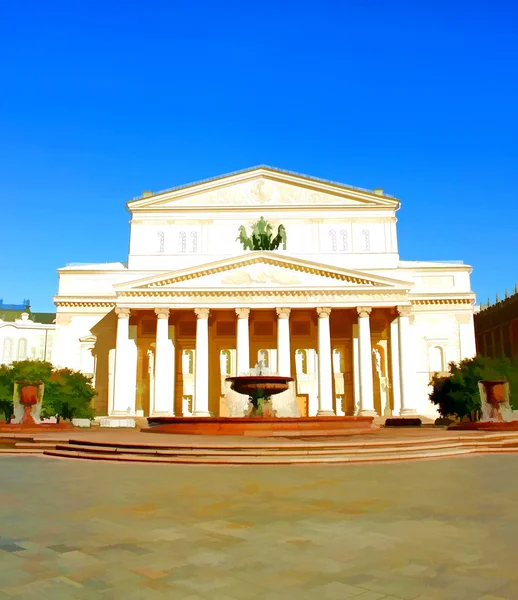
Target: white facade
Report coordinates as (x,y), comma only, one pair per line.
(359,329)
(24,339)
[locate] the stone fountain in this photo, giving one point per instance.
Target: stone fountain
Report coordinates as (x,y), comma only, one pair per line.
(260,384)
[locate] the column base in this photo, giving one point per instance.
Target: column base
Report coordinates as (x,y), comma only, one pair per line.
(326,413)
(407,412)
(139,413)
(367,413)
(161,413)
(201,413)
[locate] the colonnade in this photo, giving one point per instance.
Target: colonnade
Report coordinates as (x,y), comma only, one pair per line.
(126,360)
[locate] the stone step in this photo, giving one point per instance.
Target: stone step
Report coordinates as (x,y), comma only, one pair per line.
(23,445)
(260,460)
(240,451)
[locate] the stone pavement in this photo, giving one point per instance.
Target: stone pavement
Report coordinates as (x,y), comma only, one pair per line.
(90,530)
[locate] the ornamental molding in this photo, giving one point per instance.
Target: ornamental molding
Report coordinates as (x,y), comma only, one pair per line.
(316,296)
(443,301)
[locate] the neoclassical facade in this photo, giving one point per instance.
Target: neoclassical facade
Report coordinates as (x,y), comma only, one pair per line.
(360,330)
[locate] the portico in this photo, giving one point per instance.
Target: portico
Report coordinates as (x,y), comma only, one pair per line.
(247,335)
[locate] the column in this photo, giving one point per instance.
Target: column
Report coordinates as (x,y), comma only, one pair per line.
(125,377)
(468,348)
(201,376)
(242,341)
(365,360)
(394,367)
(325,370)
(406,362)
(283,342)
(164,365)
(356,372)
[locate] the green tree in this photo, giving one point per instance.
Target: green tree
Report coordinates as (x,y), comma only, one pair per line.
(457,393)
(6,392)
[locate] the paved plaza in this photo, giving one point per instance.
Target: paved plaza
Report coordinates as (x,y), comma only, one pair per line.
(420,530)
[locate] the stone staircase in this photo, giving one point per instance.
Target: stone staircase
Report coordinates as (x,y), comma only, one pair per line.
(281,452)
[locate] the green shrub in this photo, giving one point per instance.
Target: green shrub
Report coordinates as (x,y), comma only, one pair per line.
(457,393)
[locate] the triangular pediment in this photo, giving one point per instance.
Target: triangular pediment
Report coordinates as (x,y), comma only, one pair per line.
(262,270)
(262,186)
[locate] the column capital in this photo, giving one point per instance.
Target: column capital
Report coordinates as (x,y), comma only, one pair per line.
(364,311)
(202,313)
(404,311)
(242,313)
(162,313)
(283,313)
(122,313)
(323,312)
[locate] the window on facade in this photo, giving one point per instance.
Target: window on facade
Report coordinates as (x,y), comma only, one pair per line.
(436,360)
(332,235)
(194,241)
(344,240)
(182,241)
(301,360)
(263,358)
(338,361)
(7,355)
(160,241)
(22,349)
(225,361)
(366,239)
(188,362)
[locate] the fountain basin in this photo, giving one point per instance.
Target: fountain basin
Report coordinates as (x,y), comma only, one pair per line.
(262,426)
(260,385)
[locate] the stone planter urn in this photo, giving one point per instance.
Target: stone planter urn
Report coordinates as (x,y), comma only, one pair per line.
(27,399)
(495,397)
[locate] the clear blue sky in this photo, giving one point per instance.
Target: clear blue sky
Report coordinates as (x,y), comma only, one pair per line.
(101,100)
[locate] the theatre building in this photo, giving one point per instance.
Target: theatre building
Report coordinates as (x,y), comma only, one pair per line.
(334,306)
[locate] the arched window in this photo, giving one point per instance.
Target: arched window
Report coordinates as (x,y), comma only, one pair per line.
(263,358)
(188,362)
(332,235)
(225,362)
(194,241)
(338,361)
(7,355)
(22,349)
(343,237)
(436,359)
(366,239)
(183,241)
(160,241)
(301,360)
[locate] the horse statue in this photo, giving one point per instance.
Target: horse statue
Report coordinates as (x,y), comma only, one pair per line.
(279,239)
(244,239)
